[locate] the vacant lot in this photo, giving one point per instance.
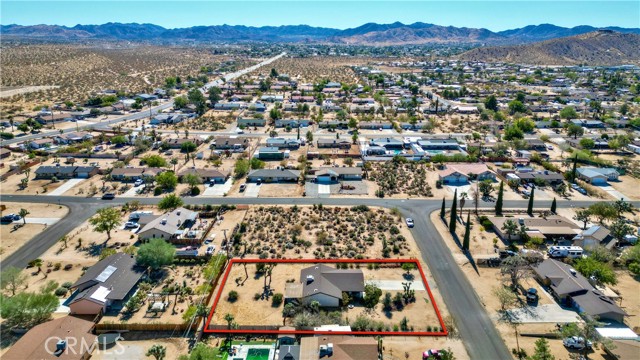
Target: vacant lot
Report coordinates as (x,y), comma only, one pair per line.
(324,232)
(405,179)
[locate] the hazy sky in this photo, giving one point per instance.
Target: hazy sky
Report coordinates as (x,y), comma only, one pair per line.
(493,15)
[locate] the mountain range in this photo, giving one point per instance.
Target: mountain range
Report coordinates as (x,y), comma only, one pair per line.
(602,47)
(368,34)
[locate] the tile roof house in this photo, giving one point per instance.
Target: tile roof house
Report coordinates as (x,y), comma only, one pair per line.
(596,176)
(325,284)
(571,288)
(459,173)
(168,226)
(37,343)
(106,285)
(338,347)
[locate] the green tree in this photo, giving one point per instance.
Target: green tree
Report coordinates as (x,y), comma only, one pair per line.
(193,180)
(568,113)
(215,95)
(505,296)
(499,200)
(530,206)
(167,180)
(584,216)
(158,352)
(12,279)
(155,254)
(510,228)
(542,351)
(553,206)
(619,229)
(189,147)
(119,140)
(485,187)
(371,296)
(442,210)
(196,97)
(309,136)
(154,161)
(23,214)
(603,272)
(587,143)
(452,220)
(467,233)
(491,103)
(180,102)
(516,106)
(587,331)
(25,310)
(622,207)
(105,220)
(256,163)
(603,211)
(241,168)
(170,202)
(575,130)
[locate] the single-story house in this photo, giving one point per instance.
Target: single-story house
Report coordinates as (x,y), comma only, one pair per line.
(325,284)
(4,153)
(251,121)
(387,143)
(573,289)
(229,105)
(105,286)
(550,227)
(230,143)
(325,175)
(273,175)
(333,124)
(134,173)
(596,175)
(168,119)
(282,143)
(594,236)
(590,124)
(439,144)
(272,98)
(41,143)
(338,347)
(37,343)
(207,175)
(374,125)
(73,137)
(177,143)
(66,172)
(302,99)
(334,143)
(169,226)
(458,173)
(270,154)
(293,123)
(549,177)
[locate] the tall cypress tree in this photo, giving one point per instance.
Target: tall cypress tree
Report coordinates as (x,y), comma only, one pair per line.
(573,171)
(499,200)
(553,206)
(442,211)
(530,206)
(454,210)
(467,233)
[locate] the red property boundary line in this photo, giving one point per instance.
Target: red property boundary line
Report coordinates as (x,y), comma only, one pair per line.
(444,331)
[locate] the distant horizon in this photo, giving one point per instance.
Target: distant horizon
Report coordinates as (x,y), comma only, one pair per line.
(494,15)
(292,25)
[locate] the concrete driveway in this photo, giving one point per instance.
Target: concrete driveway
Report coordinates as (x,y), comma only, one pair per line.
(548,313)
(396,285)
(120,350)
(252,190)
(218,189)
(65,187)
(43,221)
(613,192)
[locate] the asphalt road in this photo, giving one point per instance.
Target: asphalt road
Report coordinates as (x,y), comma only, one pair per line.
(474,325)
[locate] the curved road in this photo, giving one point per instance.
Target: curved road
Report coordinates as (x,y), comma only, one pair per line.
(474,325)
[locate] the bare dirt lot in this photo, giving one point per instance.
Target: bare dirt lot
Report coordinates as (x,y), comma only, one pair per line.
(402,179)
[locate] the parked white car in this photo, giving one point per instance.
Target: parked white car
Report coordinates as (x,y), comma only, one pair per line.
(576,342)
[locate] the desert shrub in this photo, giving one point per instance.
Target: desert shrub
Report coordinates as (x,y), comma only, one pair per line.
(232,296)
(61,291)
(276,300)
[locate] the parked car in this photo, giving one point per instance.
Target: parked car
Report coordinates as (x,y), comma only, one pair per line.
(431,354)
(131,225)
(211,249)
(138,182)
(108,196)
(243,187)
(11,218)
(532,296)
(576,342)
(410,222)
(259,181)
(506,253)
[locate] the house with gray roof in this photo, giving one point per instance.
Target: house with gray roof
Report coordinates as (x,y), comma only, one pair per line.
(282,143)
(106,285)
(326,175)
(597,176)
(273,175)
(594,236)
(387,143)
(170,226)
(571,288)
(66,172)
(325,285)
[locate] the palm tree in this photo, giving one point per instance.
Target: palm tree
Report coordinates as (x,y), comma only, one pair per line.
(510,228)
(229,319)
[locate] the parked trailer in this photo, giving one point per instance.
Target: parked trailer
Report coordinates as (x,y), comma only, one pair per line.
(565,251)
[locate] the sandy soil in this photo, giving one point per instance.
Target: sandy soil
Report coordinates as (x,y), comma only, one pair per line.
(13,240)
(628,186)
